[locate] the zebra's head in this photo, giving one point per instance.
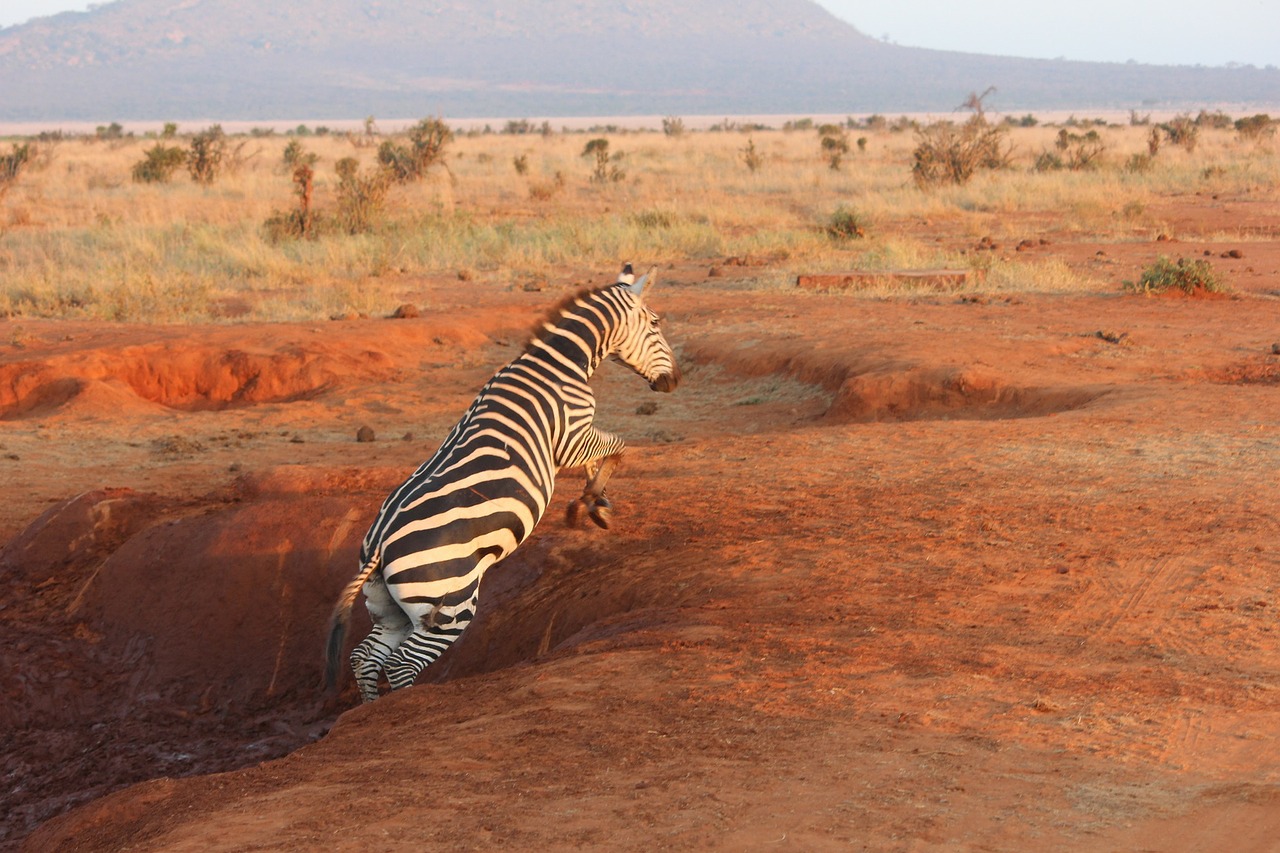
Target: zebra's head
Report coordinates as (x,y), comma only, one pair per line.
(638,342)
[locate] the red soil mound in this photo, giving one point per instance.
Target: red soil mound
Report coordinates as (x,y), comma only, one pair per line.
(933,618)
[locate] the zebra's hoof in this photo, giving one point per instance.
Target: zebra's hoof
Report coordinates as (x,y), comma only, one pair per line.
(573,513)
(601,513)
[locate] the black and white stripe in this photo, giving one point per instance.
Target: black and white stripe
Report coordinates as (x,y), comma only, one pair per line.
(484,490)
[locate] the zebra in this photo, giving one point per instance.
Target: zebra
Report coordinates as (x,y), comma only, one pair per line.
(489,483)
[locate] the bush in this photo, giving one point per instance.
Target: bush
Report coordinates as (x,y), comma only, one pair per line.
(427,141)
(1256,127)
(12,164)
(1217,120)
(1182,131)
(835,144)
(751,158)
(1139,163)
(302,221)
(845,224)
(673,126)
(295,155)
(208,148)
(543,191)
(1048,161)
(361,198)
(1189,276)
(607,166)
(946,154)
(1077,151)
(158,164)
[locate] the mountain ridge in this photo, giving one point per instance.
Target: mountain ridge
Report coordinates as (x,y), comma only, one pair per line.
(176,59)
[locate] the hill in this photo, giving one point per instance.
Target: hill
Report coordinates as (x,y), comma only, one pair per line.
(184,59)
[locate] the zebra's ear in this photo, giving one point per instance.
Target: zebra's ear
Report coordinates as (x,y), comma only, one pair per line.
(645,282)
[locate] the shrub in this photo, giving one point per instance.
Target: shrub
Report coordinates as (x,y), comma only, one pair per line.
(1255,127)
(1077,151)
(303,180)
(12,164)
(606,166)
(158,164)
(652,219)
(673,126)
(427,141)
(1139,163)
(295,155)
(1217,120)
(835,144)
(751,158)
(1189,276)
(301,221)
(946,154)
(521,164)
(1153,142)
(1048,161)
(1182,131)
(361,197)
(845,224)
(539,191)
(208,147)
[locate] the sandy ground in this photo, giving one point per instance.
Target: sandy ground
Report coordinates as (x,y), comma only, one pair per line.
(933,573)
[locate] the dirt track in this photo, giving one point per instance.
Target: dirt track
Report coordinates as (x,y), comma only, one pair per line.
(919,574)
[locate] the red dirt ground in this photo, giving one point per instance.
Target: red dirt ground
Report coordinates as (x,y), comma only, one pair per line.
(934,573)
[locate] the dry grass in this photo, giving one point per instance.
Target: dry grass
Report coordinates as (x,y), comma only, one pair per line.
(79,238)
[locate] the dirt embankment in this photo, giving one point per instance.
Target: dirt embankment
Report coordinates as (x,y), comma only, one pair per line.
(931,574)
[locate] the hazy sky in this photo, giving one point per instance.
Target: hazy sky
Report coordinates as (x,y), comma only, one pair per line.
(1168,32)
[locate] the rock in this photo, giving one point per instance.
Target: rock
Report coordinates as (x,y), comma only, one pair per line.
(365,434)
(407,311)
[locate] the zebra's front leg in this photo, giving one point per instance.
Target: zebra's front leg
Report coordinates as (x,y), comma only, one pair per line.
(593,502)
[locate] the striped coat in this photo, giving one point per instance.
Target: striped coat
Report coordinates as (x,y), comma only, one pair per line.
(491,480)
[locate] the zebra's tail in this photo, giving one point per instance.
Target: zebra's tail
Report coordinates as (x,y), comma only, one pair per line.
(341,616)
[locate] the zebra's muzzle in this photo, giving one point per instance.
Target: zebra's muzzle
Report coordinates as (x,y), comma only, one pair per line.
(667,382)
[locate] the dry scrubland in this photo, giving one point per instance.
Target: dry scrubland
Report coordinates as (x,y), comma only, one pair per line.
(79,238)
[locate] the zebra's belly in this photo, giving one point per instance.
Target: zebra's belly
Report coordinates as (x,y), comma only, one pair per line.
(441,559)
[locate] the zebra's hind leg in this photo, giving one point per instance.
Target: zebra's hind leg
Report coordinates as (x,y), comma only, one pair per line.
(428,641)
(390,626)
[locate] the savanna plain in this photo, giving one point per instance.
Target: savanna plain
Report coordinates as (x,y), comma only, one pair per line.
(986,559)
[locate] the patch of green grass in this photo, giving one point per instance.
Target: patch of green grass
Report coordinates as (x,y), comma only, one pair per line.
(1189,276)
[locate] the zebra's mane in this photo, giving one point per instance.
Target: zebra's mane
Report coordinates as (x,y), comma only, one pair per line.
(539,332)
